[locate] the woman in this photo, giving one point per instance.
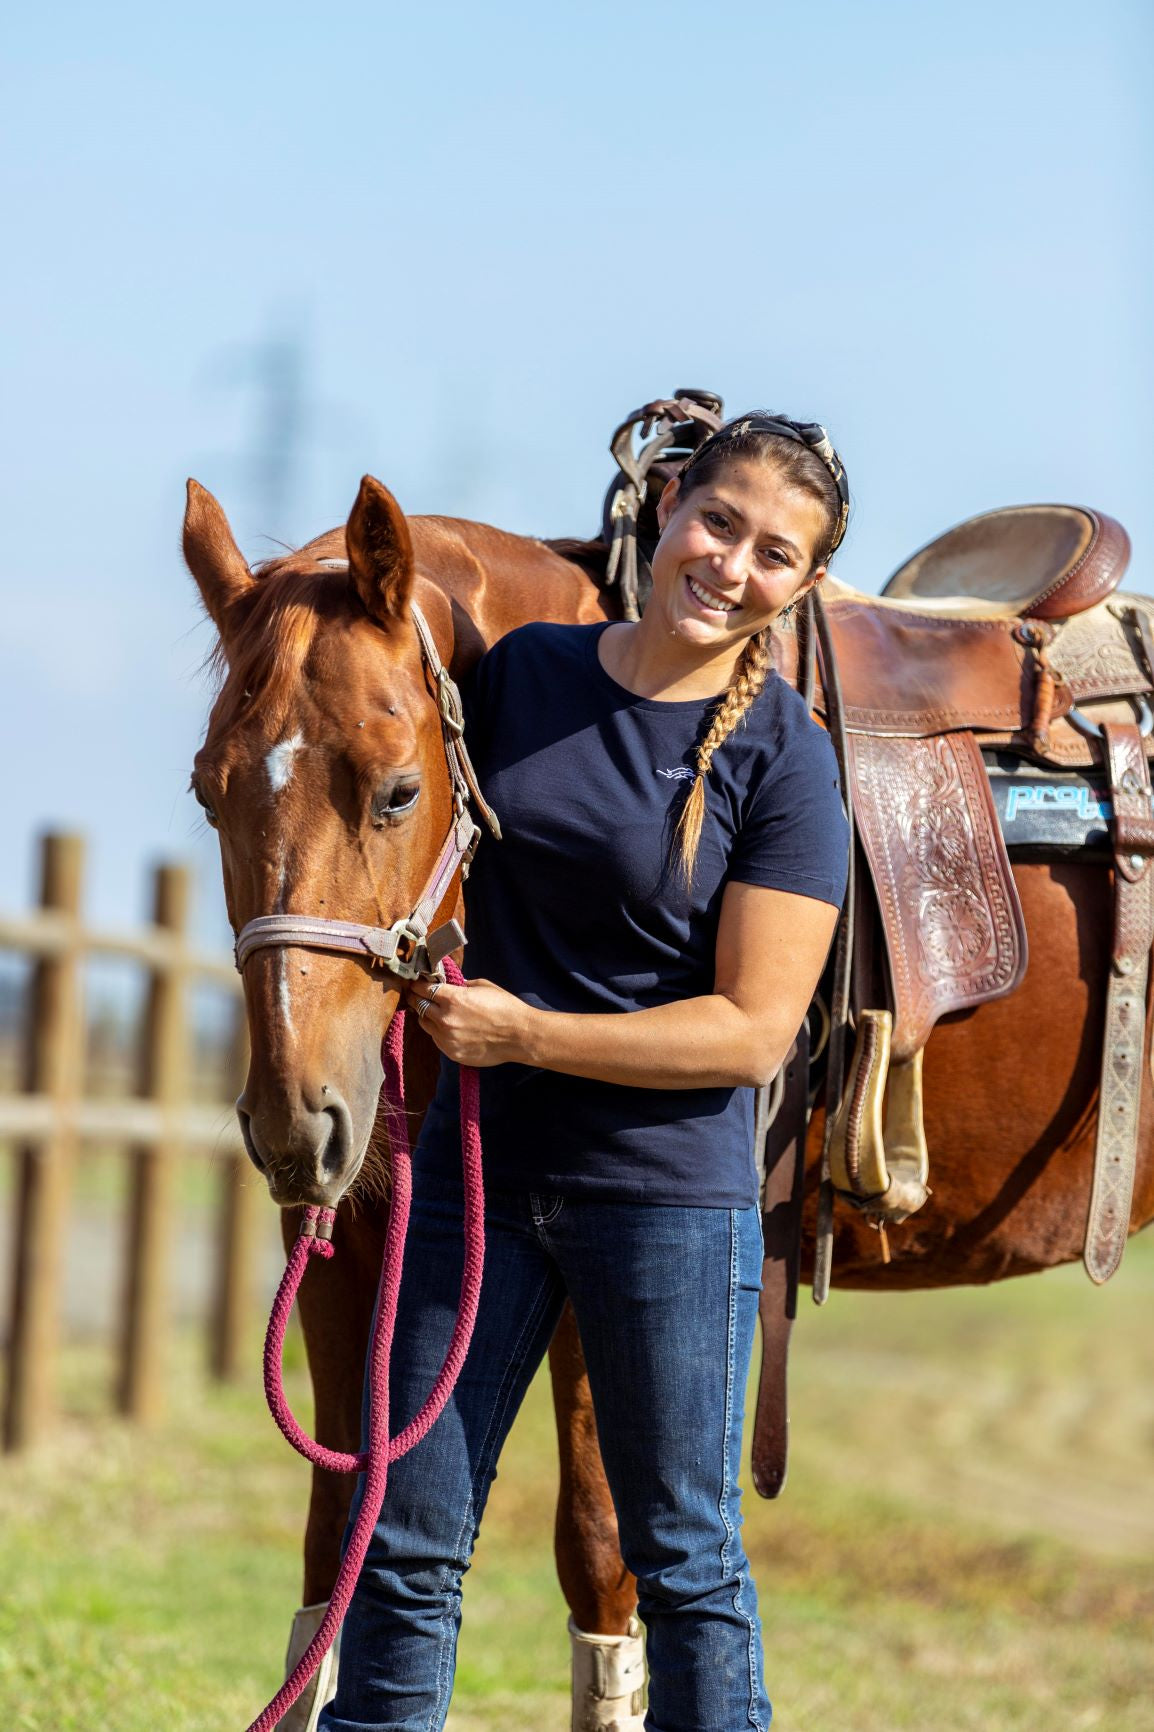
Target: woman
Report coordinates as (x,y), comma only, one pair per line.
(644,944)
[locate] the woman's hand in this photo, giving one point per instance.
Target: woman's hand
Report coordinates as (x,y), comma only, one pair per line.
(479,1024)
(771,945)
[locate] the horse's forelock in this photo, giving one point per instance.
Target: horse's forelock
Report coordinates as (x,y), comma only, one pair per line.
(271,635)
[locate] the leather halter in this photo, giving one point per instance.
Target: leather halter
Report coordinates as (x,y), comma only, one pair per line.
(406,948)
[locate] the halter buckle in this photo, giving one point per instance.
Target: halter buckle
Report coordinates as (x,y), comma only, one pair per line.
(409,958)
(449,701)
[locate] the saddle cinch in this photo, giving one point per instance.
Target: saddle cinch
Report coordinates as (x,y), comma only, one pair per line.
(998,691)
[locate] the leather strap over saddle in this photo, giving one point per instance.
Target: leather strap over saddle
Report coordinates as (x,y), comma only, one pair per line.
(669,429)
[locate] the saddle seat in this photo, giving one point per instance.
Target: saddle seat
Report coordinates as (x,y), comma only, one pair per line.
(1021,562)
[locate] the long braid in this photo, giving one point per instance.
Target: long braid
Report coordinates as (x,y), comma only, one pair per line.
(749,677)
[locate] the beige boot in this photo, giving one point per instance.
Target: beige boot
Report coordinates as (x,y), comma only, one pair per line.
(322,1686)
(608,1680)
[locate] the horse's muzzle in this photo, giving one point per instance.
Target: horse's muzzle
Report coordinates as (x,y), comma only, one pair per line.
(306,1155)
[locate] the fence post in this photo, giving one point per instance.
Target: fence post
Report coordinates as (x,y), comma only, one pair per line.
(241,1195)
(53,1067)
(140,1391)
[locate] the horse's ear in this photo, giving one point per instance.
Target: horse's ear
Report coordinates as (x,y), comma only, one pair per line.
(213,557)
(380,551)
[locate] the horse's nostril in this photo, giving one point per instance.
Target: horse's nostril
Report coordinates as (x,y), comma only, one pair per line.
(250,1147)
(334,1151)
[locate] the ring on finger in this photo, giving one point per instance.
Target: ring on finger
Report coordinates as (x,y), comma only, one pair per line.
(422,1006)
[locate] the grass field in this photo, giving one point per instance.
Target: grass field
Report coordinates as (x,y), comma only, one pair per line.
(966,1540)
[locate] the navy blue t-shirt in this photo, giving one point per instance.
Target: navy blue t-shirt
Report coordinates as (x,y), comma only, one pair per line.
(583,907)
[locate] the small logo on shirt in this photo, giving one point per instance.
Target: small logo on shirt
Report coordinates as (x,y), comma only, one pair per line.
(679,773)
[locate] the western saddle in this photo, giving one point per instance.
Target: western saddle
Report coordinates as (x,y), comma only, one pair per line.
(992,678)
(996,692)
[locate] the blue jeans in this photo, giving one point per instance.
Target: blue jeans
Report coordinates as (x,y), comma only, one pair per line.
(665,1300)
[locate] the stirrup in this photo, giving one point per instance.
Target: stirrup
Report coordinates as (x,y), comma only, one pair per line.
(882,1172)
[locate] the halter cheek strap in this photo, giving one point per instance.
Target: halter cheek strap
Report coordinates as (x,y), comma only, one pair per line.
(461,769)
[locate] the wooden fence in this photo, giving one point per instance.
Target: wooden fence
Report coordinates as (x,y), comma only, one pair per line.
(52,1118)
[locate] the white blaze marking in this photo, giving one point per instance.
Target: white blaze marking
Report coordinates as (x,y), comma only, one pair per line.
(279,765)
(282,993)
(279,762)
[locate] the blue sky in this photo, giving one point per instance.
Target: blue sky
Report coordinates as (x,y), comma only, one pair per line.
(485,234)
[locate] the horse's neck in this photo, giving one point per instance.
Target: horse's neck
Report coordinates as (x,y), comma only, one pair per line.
(496,581)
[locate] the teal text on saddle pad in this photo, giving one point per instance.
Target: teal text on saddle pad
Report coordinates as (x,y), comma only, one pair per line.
(1081,800)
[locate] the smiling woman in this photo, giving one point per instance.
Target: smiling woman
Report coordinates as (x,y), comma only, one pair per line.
(642,953)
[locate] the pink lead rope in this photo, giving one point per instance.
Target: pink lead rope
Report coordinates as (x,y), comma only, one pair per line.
(374,1461)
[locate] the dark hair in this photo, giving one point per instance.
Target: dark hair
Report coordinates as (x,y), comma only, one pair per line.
(802,454)
(800,451)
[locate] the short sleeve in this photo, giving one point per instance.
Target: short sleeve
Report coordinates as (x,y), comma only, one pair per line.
(481,689)
(794,834)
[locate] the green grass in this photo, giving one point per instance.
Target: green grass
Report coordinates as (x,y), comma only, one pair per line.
(964,1542)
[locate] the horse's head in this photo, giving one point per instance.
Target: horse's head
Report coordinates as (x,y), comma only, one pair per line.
(324,772)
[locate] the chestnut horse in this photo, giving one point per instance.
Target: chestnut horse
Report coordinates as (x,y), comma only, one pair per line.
(324,772)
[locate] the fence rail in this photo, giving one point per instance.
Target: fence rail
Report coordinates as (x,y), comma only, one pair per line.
(51,1120)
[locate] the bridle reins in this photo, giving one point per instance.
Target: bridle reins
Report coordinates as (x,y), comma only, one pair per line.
(410,951)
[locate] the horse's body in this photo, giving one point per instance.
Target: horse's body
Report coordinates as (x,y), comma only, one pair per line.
(321,671)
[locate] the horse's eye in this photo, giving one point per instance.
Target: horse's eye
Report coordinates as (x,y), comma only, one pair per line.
(395,800)
(210,815)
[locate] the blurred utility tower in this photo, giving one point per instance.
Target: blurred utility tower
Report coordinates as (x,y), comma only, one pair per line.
(286,430)
(272,375)
(278,370)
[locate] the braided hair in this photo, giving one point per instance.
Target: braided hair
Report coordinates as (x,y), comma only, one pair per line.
(803,456)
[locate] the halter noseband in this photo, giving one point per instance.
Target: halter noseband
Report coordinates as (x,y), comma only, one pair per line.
(406,948)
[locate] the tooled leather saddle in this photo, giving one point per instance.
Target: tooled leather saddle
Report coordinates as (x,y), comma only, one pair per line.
(993,677)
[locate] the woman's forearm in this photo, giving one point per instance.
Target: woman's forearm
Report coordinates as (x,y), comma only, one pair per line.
(706,1042)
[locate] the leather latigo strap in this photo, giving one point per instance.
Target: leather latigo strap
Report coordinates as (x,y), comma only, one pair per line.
(781,1208)
(949,907)
(1129,777)
(1120,1100)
